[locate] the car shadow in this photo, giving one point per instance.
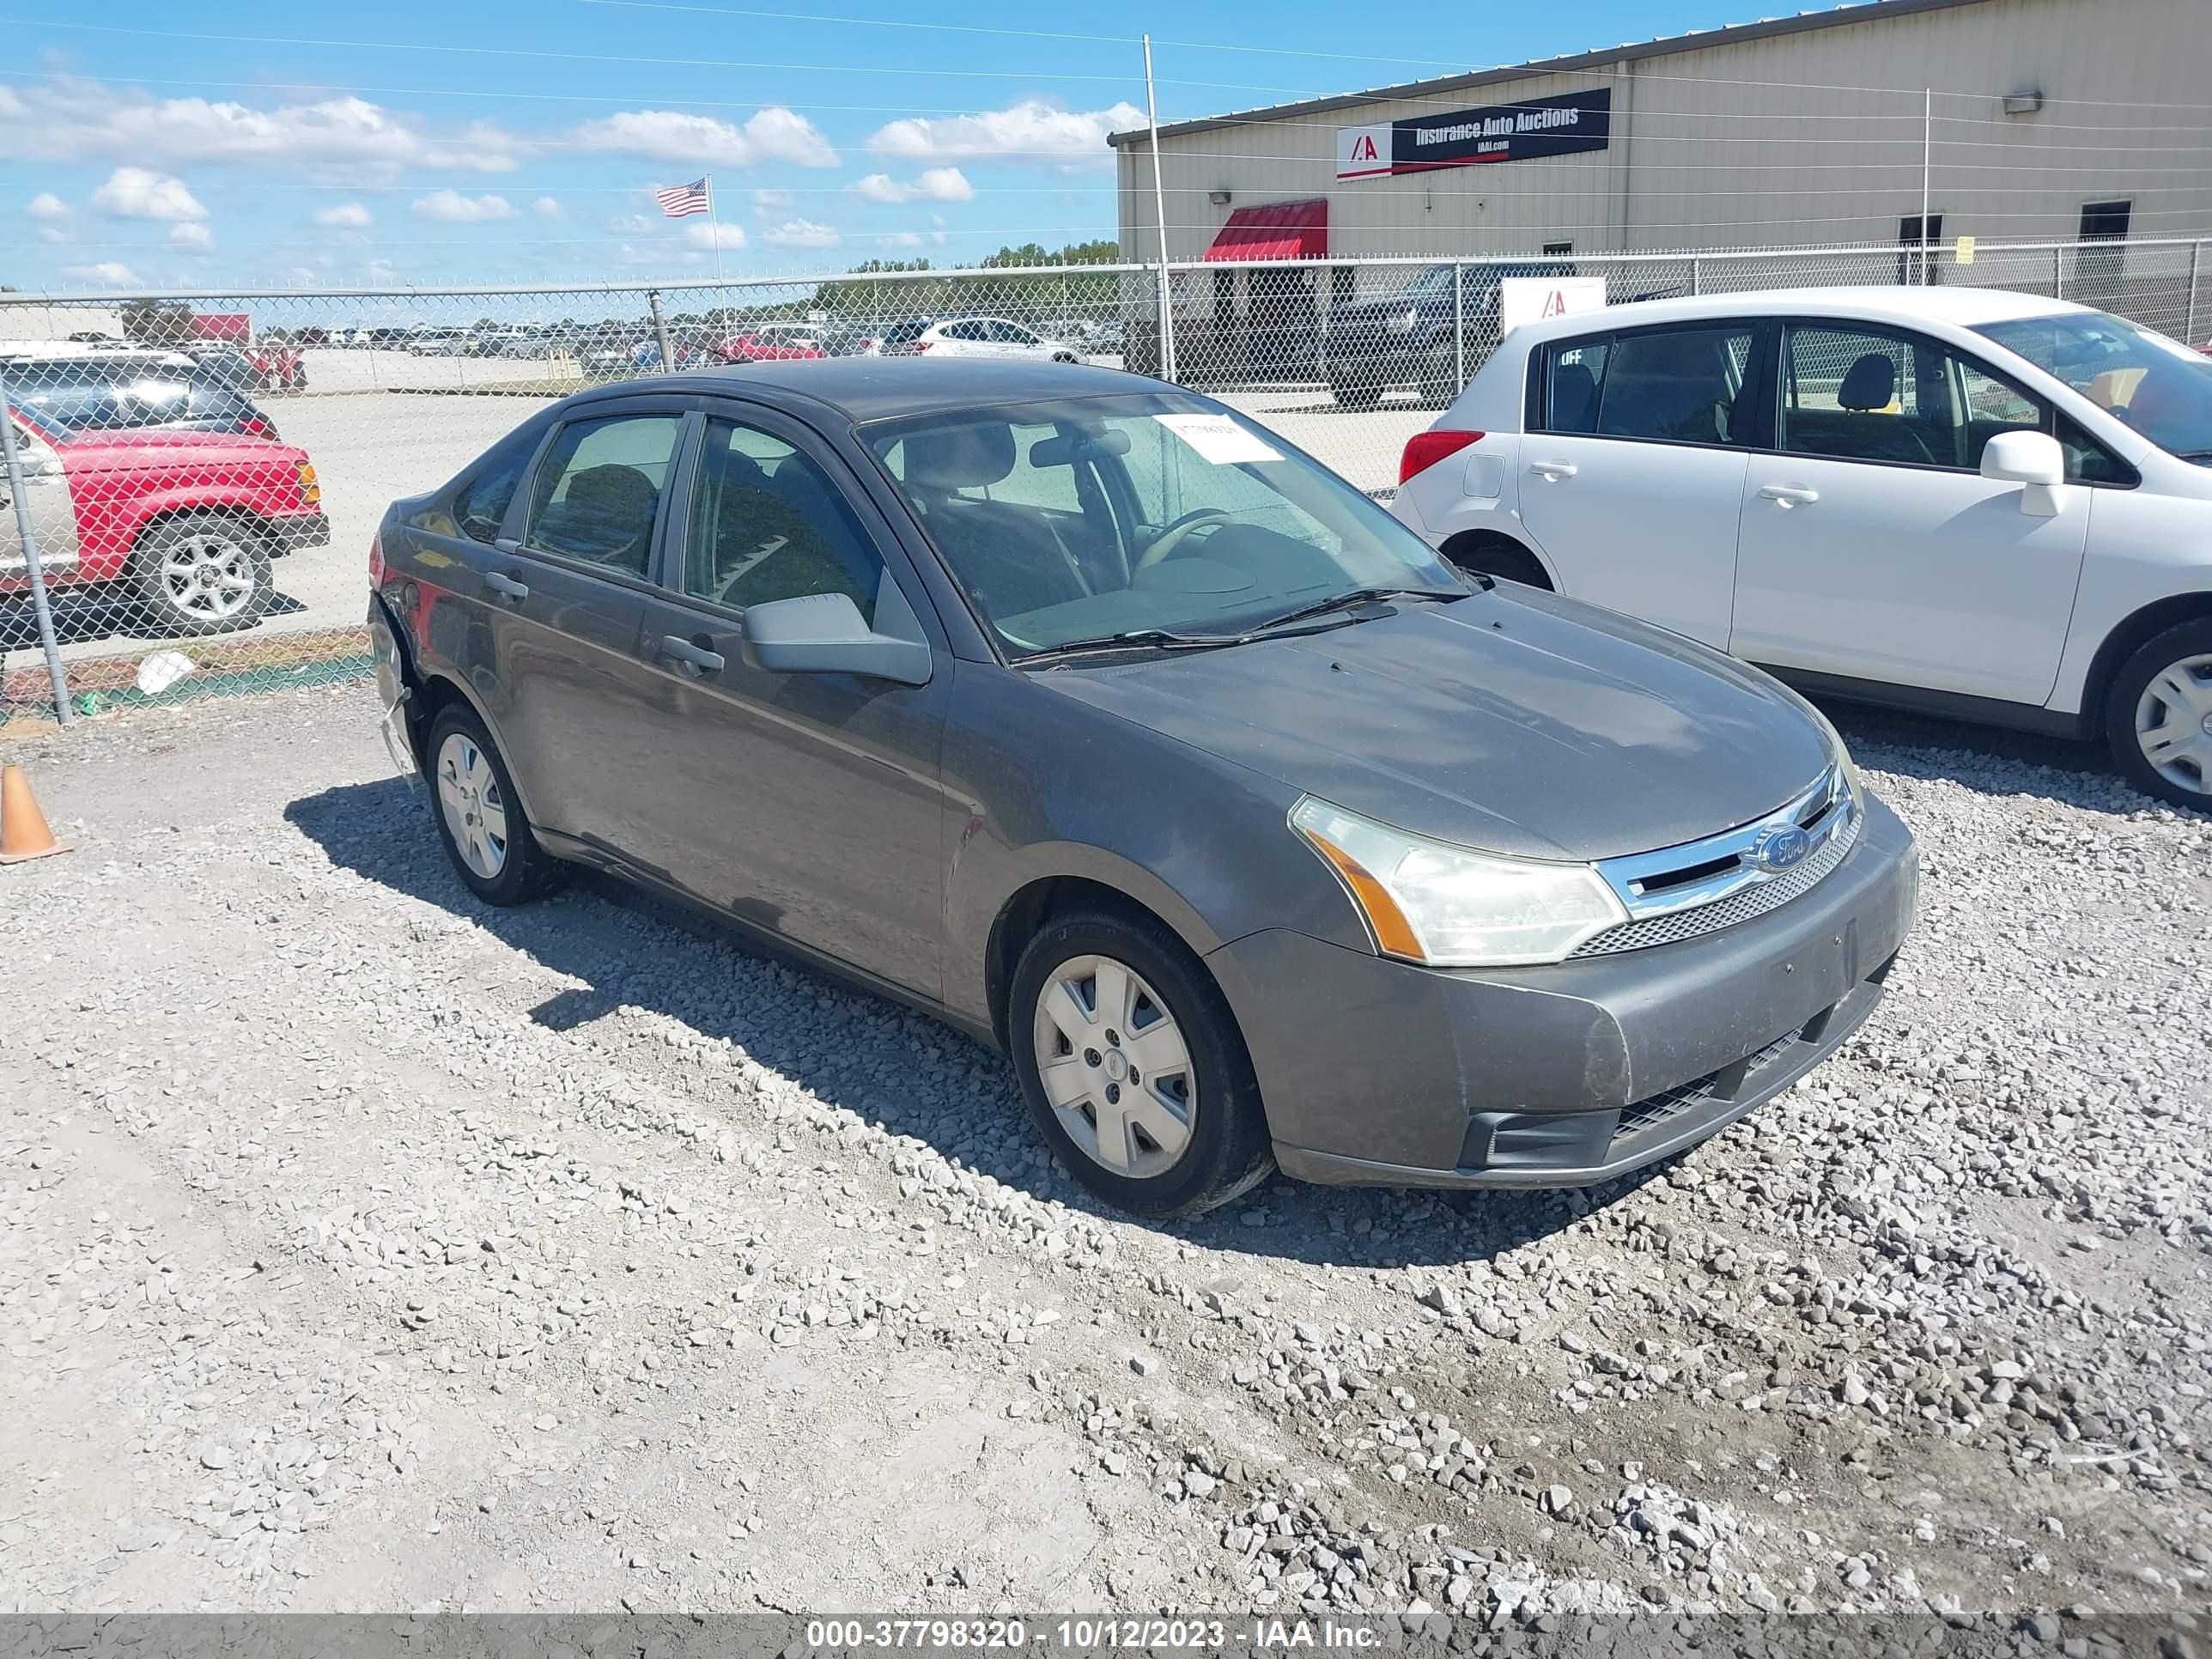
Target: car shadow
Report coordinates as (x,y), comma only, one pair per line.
(620,942)
(1990,760)
(109,611)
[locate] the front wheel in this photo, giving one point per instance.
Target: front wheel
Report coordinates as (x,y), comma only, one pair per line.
(2158,716)
(1133,1067)
(203,573)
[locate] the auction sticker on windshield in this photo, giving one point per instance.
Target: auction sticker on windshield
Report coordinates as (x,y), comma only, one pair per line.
(1219,439)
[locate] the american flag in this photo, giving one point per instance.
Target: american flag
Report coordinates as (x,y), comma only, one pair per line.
(683,199)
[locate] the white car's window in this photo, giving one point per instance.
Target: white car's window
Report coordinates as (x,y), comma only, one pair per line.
(2157,385)
(1578,366)
(1676,385)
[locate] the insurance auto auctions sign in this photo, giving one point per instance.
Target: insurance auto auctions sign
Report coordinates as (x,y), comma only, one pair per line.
(1534,128)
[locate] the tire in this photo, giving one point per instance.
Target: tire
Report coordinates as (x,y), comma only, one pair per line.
(2165,687)
(1355,395)
(500,869)
(1439,376)
(1211,1095)
(202,572)
(1494,556)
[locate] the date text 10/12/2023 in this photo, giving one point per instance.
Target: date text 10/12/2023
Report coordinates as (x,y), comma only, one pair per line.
(1089,1634)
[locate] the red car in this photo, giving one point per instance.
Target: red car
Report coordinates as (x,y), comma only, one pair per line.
(772,343)
(190,520)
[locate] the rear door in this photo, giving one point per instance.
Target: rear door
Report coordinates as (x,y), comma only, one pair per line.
(558,598)
(807,805)
(1633,466)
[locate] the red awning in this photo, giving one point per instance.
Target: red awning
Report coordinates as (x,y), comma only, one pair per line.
(1280,230)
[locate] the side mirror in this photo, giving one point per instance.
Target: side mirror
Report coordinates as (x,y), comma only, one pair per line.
(2032,458)
(824,634)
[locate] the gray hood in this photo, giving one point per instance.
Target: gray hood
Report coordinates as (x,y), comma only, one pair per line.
(1526,725)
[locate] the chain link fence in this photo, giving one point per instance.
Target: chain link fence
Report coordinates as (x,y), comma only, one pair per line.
(194,481)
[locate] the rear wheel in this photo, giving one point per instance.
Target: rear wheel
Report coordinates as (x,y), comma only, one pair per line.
(2158,716)
(1132,1065)
(1494,556)
(203,573)
(1355,394)
(480,821)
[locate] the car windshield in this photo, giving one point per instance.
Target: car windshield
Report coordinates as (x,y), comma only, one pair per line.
(2157,385)
(1089,518)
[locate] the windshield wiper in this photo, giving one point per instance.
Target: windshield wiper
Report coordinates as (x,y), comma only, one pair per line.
(1356,596)
(2199,456)
(1134,639)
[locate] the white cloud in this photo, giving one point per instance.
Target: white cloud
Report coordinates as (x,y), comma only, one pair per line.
(108,273)
(632,224)
(52,233)
(190,234)
(766,202)
(706,235)
(346,215)
(666,135)
(301,277)
(1030,130)
(932,184)
(47,205)
(73,119)
(901,239)
(549,206)
(451,207)
(802,233)
(138,193)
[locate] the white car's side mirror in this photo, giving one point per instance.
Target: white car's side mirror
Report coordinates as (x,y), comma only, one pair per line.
(2033,459)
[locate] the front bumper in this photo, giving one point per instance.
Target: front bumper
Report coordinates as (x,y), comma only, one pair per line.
(298,530)
(1379,1072)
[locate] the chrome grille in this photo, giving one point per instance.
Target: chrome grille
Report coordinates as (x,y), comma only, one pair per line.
(1741,905)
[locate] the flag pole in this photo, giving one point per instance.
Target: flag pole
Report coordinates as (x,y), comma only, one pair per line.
(714,230)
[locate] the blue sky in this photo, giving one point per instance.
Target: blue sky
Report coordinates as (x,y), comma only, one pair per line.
(509,141)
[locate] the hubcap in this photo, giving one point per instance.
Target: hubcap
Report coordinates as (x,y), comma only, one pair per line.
(1115,1067)
(2173,724)
(208,577)
(475,810)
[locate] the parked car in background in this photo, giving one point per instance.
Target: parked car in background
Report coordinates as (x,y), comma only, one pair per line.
(1962,500)
(973,336)
(1445,318)
(851,340)
(440,342)
(127,390)
(184,523)
(1429,880)
(770,343)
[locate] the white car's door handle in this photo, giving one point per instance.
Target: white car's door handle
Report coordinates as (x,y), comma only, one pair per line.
(1554,471)
(1789,495)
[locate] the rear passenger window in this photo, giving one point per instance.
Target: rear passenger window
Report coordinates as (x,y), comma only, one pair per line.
(1677,384)
(480,504)
(597,491)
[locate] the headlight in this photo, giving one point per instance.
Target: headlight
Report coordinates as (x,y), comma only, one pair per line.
(1402,323)
(1427,901)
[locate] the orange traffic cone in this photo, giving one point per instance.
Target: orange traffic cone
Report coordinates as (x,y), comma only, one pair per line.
(23,831)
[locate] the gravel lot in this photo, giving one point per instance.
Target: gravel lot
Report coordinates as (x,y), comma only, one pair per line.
(363,1247)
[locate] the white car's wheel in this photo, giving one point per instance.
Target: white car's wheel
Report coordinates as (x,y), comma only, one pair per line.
(2158,718)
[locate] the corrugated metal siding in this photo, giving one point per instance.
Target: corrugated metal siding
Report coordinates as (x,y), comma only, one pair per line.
(1811,137)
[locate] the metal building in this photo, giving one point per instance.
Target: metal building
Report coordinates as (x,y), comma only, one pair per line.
(2012,119)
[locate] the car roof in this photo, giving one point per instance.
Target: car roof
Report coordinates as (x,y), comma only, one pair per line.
(1961,308)
(877,388)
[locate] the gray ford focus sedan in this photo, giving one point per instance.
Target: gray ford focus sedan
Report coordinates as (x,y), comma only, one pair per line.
(1094,718)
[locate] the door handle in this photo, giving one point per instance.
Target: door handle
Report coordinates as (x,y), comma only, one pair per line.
(1789,495)
(693,659)
(506,587)
(1554,471)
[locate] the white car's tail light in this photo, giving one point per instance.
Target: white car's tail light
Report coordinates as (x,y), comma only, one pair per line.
(1425,449)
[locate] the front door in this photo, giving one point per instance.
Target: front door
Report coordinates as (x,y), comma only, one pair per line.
(1633,470)
(807,805)
(1871,546)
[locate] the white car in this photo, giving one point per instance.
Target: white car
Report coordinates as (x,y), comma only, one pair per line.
(975,337)
(1960,501)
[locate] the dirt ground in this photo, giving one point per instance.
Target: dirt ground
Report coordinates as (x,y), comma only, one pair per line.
(363,1247)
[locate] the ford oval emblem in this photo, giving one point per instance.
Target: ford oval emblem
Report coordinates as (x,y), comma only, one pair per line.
(1783,847)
